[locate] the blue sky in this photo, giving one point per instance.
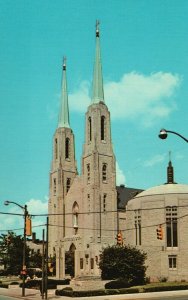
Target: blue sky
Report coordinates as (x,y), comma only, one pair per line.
(144,48)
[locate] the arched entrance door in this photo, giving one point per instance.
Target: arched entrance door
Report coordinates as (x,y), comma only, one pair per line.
(69,261)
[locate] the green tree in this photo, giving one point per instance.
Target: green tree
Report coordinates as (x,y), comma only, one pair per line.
(123,262)
(35,260)
(11,252)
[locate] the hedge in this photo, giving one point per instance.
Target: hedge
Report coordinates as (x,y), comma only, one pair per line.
(52,283)
(68,292)
(117,284)
(161,288)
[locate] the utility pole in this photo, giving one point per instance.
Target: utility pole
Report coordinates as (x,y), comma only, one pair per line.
(46,269)
(43,264)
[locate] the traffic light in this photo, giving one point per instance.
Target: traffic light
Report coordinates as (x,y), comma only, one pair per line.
(119,238)
(159,233)
(28,229)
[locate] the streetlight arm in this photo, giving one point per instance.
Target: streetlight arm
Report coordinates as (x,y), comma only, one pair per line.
(7,203)
(164,133)
(181,136)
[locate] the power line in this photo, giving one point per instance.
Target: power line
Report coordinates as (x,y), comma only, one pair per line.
(97,212)
(96,229)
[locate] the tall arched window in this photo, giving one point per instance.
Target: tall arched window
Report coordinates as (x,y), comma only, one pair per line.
(138,228)
(104,172)
(104,202)
(172,226)
(54,186)
(89,129)
(75,210)
(67,148)
(68,184)
(55,148)
(102,128)
(88,173)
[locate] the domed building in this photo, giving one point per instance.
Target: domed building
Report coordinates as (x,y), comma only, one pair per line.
(157,223)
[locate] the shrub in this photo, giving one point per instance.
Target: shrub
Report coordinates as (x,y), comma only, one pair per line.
(123,262)
(88,293)
(64,292)
(117,284)
(14,283)
(165,288)
(52,283)
(4,285)
(68,292)
(129,291)
(32,283)
(162,279)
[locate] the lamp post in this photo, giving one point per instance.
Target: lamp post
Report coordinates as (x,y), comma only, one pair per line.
(24,243)
(164,133)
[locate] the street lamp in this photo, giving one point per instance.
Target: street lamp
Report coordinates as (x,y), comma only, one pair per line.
(24,244)
(164,133)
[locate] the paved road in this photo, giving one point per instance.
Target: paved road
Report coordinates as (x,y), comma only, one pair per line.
(164,298)
(6,298)
(35,295)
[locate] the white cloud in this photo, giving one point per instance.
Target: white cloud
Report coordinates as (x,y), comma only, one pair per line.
(155,160)
(146,98)
(80,99)
(120,177)
(34,206)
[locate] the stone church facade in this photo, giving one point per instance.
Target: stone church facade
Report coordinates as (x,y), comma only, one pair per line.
(83,208)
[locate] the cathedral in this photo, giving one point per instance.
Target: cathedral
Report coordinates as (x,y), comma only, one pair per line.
(83,215)
(87,211)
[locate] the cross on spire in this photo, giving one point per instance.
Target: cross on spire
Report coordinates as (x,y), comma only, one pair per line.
(97,28)
(64,62)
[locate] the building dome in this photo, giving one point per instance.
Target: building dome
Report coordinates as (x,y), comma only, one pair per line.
(165,189)
(165,208)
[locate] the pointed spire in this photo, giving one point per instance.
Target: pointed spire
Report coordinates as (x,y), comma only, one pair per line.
(64,107)
(170,171)
(98,93)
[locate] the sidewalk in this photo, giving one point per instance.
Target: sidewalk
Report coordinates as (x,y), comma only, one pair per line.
(32,294)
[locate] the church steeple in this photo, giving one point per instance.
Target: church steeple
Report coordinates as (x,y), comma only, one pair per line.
(98,93)
(64,106)
(170,171)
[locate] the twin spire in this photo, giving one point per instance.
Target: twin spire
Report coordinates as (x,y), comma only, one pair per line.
(64,106)
(97,92)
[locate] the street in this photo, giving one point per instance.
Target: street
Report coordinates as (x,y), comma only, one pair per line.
(11,294)
(163,298)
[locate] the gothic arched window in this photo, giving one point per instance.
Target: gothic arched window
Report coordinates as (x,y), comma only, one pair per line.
(102,128)
(89,129)
(67,148)
(75,210)
(54,186)
(104,202)
(55,149)
(68,184)
(88,173)
(104,172)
